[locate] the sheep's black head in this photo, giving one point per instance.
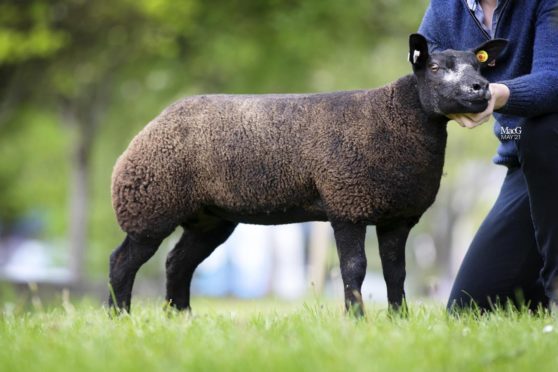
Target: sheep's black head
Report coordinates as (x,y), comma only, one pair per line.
(450,82)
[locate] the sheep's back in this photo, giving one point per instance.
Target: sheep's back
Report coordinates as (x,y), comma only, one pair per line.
(234,152)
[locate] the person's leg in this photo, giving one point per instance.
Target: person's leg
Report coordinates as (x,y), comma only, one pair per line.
(503,262)
(538,154)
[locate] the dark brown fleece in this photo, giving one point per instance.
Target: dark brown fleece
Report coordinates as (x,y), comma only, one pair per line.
(363,156)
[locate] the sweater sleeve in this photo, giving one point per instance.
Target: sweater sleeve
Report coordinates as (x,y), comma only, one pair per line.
(537,93)
(431,28)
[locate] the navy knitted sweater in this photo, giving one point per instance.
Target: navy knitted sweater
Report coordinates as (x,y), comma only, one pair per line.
(528,66)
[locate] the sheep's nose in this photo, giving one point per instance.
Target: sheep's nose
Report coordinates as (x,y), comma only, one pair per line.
(481,88)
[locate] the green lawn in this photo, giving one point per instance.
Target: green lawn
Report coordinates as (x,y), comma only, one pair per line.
(267,336)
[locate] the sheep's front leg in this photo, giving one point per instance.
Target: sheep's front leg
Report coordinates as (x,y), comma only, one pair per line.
(392,239)
(349,238)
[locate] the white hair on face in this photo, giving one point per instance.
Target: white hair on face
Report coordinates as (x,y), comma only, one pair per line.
(453,76)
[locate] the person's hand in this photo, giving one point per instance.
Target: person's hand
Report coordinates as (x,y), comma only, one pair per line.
(500,94)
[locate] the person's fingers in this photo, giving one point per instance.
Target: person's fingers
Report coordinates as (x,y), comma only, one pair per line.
(468,123)
(472,120)
(457,119)
(479,118)
(464,121)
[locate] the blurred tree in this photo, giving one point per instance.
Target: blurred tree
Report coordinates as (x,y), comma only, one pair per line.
(66,55)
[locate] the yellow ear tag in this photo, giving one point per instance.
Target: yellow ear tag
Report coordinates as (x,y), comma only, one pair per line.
(482,56)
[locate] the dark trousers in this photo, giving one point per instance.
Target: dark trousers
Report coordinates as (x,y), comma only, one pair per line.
(514,255)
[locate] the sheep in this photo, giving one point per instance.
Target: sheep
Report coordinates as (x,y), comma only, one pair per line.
(353,158)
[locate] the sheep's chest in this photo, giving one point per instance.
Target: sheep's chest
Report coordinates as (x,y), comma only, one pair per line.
(407,182)
(387,180)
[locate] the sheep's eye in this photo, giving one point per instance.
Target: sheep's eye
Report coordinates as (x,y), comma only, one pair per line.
(434,67)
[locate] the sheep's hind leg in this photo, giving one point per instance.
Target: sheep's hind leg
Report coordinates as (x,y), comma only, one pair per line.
(125,262)
(392,239)
(195,245)
(349,238)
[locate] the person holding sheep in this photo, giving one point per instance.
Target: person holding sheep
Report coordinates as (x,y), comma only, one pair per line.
(514,255)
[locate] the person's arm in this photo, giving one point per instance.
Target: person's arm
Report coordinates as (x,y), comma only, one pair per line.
(532,94)
(537,93)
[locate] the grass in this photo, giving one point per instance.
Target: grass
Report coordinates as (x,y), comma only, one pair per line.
(266,336)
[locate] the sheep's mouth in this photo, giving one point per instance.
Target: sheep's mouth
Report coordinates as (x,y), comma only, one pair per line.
(475,104)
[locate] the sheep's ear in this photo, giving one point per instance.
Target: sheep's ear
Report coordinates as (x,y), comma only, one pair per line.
(489,51)
(418,51)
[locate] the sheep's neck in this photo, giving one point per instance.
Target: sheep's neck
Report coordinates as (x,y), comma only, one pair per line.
(403,102)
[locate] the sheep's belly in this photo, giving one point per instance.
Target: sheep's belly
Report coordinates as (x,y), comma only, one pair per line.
(271,217)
